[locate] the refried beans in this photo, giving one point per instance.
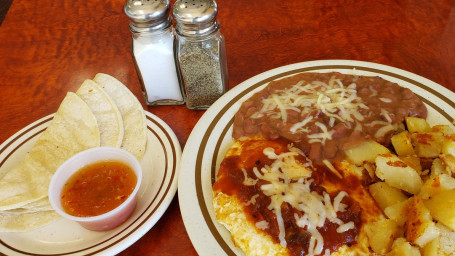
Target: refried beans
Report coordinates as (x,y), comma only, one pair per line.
(325,113)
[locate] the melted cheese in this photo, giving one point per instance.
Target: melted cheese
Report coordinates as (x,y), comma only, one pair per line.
(339,102)
(335,100)
(293,187)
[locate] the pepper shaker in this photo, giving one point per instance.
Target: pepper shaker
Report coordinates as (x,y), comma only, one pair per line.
(200,52)
(153,51)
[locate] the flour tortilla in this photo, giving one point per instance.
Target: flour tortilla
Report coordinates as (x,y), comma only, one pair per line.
(134,122)
(73,129)
(109,119)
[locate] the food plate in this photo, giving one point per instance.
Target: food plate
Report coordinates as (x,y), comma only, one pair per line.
(62,237)
(211,137)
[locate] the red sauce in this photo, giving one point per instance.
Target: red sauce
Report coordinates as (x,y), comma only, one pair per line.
(98,188)
(377,94)
(230,181)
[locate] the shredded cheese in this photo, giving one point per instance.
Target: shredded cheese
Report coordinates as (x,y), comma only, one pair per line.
(334,99)
(262,224)
(293,187)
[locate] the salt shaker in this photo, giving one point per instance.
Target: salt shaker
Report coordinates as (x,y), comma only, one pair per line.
(200,52)
(153,51)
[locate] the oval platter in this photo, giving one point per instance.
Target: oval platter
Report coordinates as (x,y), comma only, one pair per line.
(212,137)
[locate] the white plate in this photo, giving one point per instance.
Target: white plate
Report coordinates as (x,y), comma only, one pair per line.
(211,137)
(62,237)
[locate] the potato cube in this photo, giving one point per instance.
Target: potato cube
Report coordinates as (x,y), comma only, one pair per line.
(402,144)
(436,184)
(428,144)
(419,227)
(365,152)
(432,248)
(381,235)
(385,195)
(416,124)
(448,146)
(398,174)
(414,162)
(446,240)
(401,247)
(396,212)
(445,129)
(438,167)
(442,207)
(449,161)
(444,244)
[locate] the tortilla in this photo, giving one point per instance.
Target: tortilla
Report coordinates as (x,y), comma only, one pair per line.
(73,129)
(109,119)
(134,122)
(26,221)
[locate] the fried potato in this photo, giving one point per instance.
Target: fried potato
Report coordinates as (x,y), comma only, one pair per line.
(381,235)
(448,146)
(365,152)
(435,185)
(386,195)
(401,247)
(397,173)
(416,124)
(428,144)
(397,212)
(442,207)
(402,144)
(419,227)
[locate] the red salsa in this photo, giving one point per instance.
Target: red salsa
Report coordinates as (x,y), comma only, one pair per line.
(98,188)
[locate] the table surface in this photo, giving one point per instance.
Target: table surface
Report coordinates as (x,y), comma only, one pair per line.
(48,48)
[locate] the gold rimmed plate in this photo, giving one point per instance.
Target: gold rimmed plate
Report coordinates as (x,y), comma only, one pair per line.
(63,237)
(212,136)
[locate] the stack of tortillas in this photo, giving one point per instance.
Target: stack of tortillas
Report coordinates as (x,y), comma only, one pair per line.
(103,112)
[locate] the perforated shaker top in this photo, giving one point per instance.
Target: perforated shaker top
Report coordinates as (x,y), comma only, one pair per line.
(148,14)
(195,17)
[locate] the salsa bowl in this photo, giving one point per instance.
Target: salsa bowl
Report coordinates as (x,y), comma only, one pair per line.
(69,171)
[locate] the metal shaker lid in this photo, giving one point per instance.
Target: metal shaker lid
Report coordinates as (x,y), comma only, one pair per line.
(195,17)
(148,15)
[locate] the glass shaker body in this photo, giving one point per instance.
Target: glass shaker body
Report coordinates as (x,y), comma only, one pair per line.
(153,55)
(201,61)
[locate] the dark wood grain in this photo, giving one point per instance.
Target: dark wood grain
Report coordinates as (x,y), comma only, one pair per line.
(48,48)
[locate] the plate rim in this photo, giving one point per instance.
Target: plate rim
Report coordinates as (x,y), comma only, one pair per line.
(220,107)
(138,228)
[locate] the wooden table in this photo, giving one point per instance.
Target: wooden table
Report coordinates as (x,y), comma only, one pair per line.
(49,47)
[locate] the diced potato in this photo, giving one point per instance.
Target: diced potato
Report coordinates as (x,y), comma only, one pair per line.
(398,174)
(365,152)
(442,207)
(414,162)
(381,235)
(402,144)
(416,124)
(428,144)
(446,240)
(401,247)
(434,185)
(444,244)
(438,167)
(448,146)
(445,129)
(397,213)
(370,168)
(449,162)
(432,248)
(385,195)
(419,227)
